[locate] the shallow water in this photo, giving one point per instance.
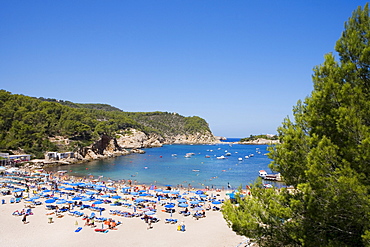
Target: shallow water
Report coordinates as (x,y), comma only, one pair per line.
(168,166)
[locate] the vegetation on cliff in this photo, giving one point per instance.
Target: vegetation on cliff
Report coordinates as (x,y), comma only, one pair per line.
(255,137)
(28,123)
(324,154)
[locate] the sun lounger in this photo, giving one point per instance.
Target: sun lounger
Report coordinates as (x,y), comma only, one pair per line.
(172,221)
(78,229)
(101,230)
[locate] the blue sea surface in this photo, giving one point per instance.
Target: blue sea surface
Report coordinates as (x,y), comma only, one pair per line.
(168,165)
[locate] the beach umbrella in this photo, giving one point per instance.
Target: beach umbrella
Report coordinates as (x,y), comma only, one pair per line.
(69,188)
(159,190)
(183,205)
(149,212)
(61,201)
(144,194)
(203,195)
(76,198)
(46,191)
(18,190)
(97,202)
(126,188)
(166,191)
(34,197)
(116,197)
(86,199)
(134,193)
(139,200)
(90,193)
(175,192)
(50,201)
(199,192)
(142,191)
(105,196)
(181,200)
(197,209)
(195,202)
(169,206)
(216,202)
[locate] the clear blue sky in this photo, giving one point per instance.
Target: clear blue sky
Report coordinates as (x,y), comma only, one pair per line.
(241,65)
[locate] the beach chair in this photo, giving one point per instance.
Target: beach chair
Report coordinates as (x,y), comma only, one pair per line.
(92,215)
(78,229)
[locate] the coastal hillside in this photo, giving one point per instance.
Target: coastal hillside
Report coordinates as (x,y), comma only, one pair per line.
(38,125)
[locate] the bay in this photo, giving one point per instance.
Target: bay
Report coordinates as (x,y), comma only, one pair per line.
(168,165)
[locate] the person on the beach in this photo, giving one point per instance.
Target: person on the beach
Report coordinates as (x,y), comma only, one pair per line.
(24,219)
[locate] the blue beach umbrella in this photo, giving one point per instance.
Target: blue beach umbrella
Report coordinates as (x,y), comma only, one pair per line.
(34,197)
(61,201)
(194,202)
(139,200)
(181,200)
(134,193)
(90,193)
(105,196)
(197,209)
(18,190)
(86,199)
(216,202)
(149,213)
(50,201)
(116,197)
(97,202)
(76,198)
(169,206)
(159,190)
(183,205)
(69,188)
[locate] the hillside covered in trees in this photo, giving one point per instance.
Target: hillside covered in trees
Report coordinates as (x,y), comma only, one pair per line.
(28,123)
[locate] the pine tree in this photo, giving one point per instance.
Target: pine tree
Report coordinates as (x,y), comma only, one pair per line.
(325,154)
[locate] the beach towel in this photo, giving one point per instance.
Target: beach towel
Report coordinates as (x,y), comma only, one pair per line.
(78,229)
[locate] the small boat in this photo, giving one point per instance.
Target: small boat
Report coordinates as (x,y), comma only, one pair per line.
(247,157)
(228,154)
(240,159)
(221,157)
(195,170)
(207,156)
(262,173)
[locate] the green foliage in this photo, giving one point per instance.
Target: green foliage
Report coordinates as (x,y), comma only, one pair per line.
(169,124)
(324,154)
(255,137)
(28,123)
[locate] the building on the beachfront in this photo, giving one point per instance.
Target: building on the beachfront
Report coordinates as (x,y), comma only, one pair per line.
(59,156)
(7,159)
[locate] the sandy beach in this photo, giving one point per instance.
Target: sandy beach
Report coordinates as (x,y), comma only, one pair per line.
(210,230)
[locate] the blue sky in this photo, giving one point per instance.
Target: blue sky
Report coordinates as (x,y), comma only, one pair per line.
(241,65)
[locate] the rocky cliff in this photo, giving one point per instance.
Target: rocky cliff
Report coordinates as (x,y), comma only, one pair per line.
(132,140)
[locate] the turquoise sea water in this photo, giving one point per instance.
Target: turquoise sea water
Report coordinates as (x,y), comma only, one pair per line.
(168,165)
